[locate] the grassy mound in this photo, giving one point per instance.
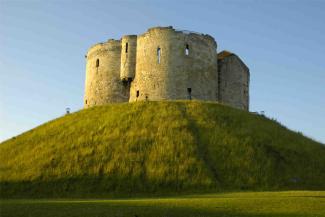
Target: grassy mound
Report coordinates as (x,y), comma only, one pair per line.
(155,147)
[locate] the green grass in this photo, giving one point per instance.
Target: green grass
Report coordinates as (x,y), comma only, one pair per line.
(263,204)
(154,148)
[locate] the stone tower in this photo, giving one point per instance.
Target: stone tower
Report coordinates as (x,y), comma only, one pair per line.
(164,64)
(233,77)
(103,83)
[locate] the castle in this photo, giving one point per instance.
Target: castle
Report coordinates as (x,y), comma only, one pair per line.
(164,64)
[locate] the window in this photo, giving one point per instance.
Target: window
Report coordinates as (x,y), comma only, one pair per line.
(158,54)
(97,63)
(86,102)
(138,93)
(126,47)
(189,91)
(187,49)
(219,77)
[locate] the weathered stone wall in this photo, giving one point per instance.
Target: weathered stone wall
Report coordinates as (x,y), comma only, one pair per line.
(103,84)
(177,73)
(164,64)
(234,82)
(128,57)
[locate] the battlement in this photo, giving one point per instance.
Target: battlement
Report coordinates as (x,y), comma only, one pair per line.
(160,28)
(164,64)
(98,48)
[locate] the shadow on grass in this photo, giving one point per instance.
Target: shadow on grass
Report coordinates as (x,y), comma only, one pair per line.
(107,187)
(22,208)
(94,187)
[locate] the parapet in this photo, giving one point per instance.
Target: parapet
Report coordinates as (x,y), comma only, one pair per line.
(160,28)
(98,48)
(225,54)
(178,31)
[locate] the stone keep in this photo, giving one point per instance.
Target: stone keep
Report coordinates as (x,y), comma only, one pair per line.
(164,64)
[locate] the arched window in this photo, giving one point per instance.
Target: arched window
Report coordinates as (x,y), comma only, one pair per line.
(97,63)
(158,54)
(187,49)
(126,47)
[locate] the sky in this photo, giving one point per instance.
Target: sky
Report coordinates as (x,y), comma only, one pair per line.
(43,46)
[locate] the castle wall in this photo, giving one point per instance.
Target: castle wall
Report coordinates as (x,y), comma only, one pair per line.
(176,74)
(128,57)
(234,82)
(164,64)
(103,84)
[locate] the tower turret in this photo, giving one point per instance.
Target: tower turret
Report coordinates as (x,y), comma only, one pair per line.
(233,78)
(173,64)
(103,84)
(128,57)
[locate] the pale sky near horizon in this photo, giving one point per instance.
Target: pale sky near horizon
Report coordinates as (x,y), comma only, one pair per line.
(43,43)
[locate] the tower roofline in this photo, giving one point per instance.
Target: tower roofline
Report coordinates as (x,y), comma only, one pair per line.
(225,54)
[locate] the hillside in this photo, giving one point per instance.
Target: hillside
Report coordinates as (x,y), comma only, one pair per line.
(155,147)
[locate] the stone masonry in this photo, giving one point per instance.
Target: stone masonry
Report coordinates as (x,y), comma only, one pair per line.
(164,64)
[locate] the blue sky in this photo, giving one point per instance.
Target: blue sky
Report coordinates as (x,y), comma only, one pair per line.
(43,43)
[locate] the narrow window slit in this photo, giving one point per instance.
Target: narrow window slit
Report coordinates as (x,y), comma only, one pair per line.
(158,54)
(126,47)
(189,91)
(187,49)
(97,63)
(138,93)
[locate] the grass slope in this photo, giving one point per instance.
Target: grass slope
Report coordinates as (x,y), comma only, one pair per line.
(266,204)
(155,147)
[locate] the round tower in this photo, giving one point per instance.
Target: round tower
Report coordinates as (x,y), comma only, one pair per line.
(103,84)
(173,64)
(128,57)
